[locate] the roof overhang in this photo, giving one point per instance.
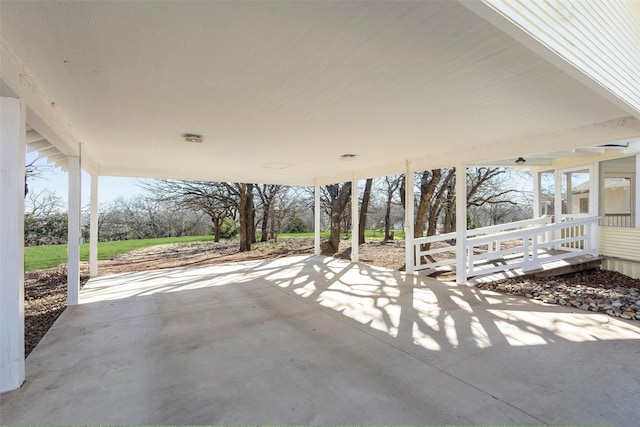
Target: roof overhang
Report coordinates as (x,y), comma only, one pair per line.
(281,90)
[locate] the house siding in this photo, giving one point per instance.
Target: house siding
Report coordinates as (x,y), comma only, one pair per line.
(620,242)
(599,38)
(622,247)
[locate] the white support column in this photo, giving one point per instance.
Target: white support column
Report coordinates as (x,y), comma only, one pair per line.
(316,221)
(355,219)
(93,228)
(408,220)
(461,224)
(557,200)
(73,244)
(636,212)
(12,139)
(594,205)
(557,204)
(535,178)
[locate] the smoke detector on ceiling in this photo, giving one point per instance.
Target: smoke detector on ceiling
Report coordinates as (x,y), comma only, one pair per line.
(192,137)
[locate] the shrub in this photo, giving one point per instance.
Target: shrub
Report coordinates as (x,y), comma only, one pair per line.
(295,224)
(229,228)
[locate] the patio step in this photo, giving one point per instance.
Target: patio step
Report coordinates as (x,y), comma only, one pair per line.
(549,269)
(570,265)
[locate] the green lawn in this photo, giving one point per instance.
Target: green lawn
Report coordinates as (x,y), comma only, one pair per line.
(39,257)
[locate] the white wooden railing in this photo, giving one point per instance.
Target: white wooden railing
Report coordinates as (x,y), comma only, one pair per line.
(527,244)
(422,256)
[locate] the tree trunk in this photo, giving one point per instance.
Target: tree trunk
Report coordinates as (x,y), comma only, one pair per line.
(363,210)
(340,195)
(254,226)
(387,218)
(265,225)
(216,228)
(246,216)
(272,232)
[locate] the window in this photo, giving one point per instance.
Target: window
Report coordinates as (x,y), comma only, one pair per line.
(576,189)
(618,200)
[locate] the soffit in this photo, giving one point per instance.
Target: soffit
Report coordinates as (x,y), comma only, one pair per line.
(281,90)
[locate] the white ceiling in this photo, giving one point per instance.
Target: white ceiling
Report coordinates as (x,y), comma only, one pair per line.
(281,89)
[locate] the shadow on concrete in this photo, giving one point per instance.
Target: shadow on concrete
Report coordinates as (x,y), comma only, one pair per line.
(315,340)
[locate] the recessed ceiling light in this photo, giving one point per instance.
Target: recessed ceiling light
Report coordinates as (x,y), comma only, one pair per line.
(192,137)
(348,157)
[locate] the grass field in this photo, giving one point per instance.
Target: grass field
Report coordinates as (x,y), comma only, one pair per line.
(39,257)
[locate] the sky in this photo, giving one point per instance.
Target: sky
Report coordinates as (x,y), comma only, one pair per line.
(109,188)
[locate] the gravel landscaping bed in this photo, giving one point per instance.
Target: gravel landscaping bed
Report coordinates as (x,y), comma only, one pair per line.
(594,290)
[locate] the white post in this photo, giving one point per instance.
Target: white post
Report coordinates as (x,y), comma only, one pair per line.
(535,178)
(408,221)
(636,212)
(557,204)
(12,139)
(355,220)
(461,224)
(93,228)
(316,221)
(73,244)
(594,206)
(557,199)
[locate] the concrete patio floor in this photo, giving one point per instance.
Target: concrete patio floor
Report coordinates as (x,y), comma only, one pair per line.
(315,340)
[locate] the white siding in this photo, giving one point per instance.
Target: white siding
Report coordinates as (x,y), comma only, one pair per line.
(599,38)
(620,242)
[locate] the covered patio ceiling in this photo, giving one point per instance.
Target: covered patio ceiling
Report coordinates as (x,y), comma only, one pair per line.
(280,90)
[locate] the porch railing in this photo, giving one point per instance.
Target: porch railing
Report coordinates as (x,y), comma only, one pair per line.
(423,258)
(617,220)
(523,244)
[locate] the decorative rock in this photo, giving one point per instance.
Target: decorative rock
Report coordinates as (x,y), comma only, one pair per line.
(595,291)
(625,316)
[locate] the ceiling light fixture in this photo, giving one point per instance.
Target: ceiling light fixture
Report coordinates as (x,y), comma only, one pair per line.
(520,160)
(192,137)
(348,157)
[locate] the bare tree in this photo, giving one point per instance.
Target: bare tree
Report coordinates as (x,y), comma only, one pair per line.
(42,203)
(432,185)
(485,186)
(390,185)
(212,198)
(267,194)
(33,170)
